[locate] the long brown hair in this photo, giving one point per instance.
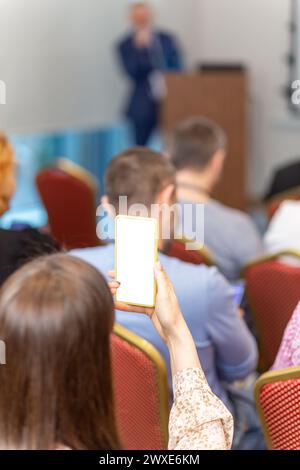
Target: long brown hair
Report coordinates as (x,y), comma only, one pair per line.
(56,316)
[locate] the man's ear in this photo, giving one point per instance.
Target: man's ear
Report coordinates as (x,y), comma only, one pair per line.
(107,206)
(167,195)
(218,161)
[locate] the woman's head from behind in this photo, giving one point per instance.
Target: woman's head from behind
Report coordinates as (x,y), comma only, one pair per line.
(56,316)
(7,176)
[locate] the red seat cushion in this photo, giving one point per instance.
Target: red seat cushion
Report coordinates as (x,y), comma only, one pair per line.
(137,398)
(280,402)
(70,204)
(177,250)
(273,290)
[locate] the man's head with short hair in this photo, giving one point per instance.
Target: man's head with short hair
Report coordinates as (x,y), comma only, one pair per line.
(146,178)
(198,149)
(194,143)
(141,15)
(140,174)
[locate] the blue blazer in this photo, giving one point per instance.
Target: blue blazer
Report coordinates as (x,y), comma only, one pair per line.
(163,55)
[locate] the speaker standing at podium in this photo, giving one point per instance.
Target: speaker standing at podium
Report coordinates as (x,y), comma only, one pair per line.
(146,54)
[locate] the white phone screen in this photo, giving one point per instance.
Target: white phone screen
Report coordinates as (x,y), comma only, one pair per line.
(135,257)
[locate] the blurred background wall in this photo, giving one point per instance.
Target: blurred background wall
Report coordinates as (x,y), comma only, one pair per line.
(57,59)
(256,33)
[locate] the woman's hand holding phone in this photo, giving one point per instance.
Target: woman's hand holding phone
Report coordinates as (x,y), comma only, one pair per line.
(166,314)
(168,321)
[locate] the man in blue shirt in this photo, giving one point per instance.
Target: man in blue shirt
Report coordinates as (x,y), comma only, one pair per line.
(198,152)
(226,348)
(145,55)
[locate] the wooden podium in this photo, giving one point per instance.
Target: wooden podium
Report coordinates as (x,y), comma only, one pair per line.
(220,95)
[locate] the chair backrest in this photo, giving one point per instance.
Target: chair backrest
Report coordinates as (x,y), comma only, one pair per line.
(70,203)
(273,291)
(277,396)
(201,256)
(141,392)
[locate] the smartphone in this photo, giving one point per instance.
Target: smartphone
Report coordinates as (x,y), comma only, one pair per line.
(136,252)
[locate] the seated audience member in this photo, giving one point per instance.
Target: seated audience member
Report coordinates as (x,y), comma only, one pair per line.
(225,346)
(284,231)
(289,351)
(198,152)
(284,179)
(56,317)
(16,246)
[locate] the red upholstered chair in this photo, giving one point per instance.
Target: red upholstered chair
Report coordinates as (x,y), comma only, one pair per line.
(200,256)
(69,196)
(277,396)
(273,291)
(141,392)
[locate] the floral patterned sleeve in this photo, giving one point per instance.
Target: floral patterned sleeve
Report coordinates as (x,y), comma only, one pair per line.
(198,419)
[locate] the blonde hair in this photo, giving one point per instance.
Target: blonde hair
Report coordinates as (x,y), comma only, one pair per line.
(6,170)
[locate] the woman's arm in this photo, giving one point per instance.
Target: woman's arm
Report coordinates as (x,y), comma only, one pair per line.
(198,419)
